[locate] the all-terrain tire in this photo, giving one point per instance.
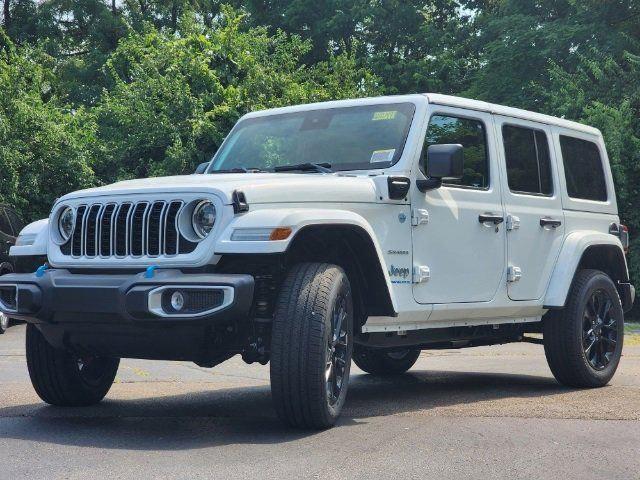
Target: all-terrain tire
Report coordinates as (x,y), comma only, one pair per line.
(383,362)
(565,340)
(302,355)
(63,379)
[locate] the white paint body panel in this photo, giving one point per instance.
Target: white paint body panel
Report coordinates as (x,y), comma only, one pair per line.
(465,257)
(467,261)
(38,228)
(530,243)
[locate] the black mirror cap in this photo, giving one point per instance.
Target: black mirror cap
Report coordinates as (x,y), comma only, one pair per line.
(201,168)
(445,161)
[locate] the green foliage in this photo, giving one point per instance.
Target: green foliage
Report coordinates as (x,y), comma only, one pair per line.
(170,100)
(44,147)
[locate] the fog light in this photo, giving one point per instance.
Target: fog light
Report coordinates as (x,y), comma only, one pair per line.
(185,301)
(177,301)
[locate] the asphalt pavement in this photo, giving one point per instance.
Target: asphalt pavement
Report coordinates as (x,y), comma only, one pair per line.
(483,413)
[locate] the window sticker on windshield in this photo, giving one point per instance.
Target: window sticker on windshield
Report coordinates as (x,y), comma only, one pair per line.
(383,155)
(377,116)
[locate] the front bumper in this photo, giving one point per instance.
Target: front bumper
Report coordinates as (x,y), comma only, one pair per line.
(113,315)
(59,296)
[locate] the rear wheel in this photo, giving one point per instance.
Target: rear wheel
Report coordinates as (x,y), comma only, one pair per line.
(384,362)
(583,342)
(311,345)
(63,379)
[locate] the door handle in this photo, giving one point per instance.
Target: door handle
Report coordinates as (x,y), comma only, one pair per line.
(550,222)
(490,218)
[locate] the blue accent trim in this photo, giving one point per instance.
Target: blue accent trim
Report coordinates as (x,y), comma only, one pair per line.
(41,269)
(150,271)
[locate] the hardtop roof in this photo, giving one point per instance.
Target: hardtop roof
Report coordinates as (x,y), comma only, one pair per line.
(436,99)
(461,102)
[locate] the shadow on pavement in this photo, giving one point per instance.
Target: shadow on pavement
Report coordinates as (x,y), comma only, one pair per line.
(203,419)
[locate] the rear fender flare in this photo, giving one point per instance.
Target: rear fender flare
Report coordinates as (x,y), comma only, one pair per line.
(571,254)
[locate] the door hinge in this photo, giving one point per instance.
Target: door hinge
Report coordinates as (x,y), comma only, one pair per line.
(419,216)
(421,274)
(513,274)
(513,222)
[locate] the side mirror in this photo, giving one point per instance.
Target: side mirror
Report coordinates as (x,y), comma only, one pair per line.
(201,168)
(445,161)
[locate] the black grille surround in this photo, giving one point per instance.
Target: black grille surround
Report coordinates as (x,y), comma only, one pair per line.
(144,228)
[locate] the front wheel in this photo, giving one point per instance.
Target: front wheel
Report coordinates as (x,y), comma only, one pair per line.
(66,380)
(311,345)
(583,342)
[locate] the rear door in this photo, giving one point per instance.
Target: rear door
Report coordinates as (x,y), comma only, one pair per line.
(463,255)
(533,205)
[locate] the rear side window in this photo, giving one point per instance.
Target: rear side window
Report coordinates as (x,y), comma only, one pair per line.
(472,136)
(527,157)
(583,169)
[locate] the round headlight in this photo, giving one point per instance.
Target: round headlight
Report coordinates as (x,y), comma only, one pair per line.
(204,217)
(66,223)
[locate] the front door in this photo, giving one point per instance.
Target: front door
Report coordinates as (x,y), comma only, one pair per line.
(533,205)
(459,251)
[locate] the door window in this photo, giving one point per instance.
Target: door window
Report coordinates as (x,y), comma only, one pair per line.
(472,136)
(583,169)
(527,158)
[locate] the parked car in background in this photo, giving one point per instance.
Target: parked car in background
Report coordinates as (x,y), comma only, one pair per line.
(10,226)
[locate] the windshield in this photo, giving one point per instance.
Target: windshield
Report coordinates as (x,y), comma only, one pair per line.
(348,138)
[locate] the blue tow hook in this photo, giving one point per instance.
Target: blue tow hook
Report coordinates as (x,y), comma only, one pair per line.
(150,271)
(41,270)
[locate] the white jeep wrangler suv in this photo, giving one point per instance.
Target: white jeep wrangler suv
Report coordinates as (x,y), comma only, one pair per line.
(362,230)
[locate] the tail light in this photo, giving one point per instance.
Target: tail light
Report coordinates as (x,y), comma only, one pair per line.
(622,232)
(624,237)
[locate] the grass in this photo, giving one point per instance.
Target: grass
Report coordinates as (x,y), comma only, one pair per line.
(632,334)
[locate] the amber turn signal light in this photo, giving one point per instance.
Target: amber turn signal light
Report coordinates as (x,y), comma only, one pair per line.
(281,233)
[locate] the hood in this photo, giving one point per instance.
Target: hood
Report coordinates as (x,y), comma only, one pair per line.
(257,187)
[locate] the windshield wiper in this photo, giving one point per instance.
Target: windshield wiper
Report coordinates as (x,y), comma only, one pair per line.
(306,167)
(238,170)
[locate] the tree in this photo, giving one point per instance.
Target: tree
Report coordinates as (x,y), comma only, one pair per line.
(171,100)
(44,147)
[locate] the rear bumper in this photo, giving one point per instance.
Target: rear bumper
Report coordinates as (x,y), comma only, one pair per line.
(113,314)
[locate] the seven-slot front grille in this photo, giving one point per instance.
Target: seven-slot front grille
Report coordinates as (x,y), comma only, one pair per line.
(128,229)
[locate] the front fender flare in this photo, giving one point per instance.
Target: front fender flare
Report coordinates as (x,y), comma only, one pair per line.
(297,219)
(568,261)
